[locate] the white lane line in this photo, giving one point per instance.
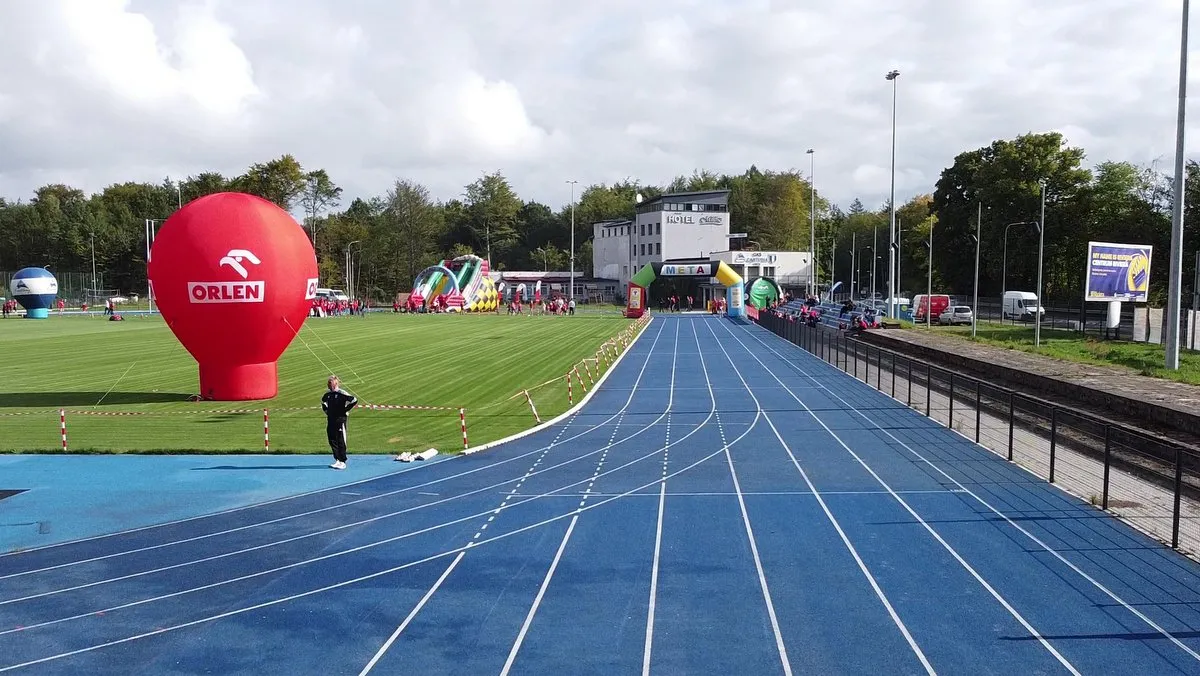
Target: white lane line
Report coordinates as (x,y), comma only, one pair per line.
(537,600)
(355,580)
(837,526)
(930,529)
(963,489)
(662,504)
(737,487)
(237,529)
(353,524)
(403,625)
(662,500)
(504,504)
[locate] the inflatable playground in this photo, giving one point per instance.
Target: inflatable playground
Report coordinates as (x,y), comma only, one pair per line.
(461,284)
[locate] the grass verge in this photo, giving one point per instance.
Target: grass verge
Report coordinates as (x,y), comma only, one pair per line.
(1143,358)
(126,385)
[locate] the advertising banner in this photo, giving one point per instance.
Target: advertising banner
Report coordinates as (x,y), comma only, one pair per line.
(1118,272)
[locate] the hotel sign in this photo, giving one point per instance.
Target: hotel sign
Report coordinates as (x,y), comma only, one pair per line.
(694,219)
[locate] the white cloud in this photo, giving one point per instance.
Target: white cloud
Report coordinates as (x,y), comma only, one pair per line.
(97,91)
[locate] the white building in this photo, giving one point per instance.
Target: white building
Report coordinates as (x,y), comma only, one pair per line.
(672,226)
(786,268)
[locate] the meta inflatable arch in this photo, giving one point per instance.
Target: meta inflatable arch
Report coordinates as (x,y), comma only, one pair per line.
(636,292)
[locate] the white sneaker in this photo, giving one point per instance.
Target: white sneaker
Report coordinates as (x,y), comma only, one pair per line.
(338,464)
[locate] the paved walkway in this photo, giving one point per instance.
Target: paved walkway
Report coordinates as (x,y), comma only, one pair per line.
(1116,385)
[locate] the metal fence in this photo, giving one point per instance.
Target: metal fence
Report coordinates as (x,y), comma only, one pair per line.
(1150,482)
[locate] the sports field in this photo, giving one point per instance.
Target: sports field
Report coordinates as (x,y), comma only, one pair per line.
(126,385)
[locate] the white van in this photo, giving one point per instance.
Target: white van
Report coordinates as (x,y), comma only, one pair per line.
(1022,306)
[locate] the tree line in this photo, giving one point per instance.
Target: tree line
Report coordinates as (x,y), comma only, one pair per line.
(404,230)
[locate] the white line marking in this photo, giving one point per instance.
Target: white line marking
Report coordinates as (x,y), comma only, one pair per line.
(432,463)
(421,604)
(662,504)
(963,489)
(517,487)
(345,583)
(937,536)
(737,487)
(537,600)
(273,543)
(662,500)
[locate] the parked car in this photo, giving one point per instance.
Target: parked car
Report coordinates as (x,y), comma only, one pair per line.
(956,314)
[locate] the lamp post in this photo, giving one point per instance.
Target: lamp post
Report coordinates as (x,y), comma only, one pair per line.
(975,303)
(1004,265)
(571,295)
(853,270)
(929,280)
(874,260)
(1175,285)
(892,76)
(812,222)
(832,268)
(92,235)
(350,269)
(1037,316)
(899,240)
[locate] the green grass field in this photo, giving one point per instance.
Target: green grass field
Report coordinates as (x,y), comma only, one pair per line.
(476,362)
(1145,359)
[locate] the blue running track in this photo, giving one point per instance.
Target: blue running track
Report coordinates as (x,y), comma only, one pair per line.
(724,504)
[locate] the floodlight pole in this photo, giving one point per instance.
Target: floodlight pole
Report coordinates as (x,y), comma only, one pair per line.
(1174,286)
(812,224)
(892,76)
(571,295)
(1037,316)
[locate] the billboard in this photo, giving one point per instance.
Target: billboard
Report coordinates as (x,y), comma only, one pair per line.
(1118,272)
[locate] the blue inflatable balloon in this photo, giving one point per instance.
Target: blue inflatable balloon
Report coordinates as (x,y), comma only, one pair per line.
(35,289)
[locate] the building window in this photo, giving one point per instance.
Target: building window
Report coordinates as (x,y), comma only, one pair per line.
(643,250)
(769,271)
(643,230)
(658,228)
(658,248)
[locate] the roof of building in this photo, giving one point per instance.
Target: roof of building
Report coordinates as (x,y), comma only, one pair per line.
(700,197)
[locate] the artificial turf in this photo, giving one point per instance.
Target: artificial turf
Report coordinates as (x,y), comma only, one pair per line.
(137,369)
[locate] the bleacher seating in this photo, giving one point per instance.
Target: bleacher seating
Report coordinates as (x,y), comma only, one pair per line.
(830,313)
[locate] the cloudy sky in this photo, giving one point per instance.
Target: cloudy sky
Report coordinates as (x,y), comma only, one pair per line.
(441,91)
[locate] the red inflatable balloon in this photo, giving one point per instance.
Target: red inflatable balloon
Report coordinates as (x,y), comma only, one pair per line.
(234,276)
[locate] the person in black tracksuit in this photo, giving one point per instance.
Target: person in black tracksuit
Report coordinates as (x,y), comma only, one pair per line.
(337,404)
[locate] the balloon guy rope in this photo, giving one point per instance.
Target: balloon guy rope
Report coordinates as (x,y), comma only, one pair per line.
(114,385)
(334,352)
(318,357)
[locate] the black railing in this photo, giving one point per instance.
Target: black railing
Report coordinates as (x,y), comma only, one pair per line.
(1138,476)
